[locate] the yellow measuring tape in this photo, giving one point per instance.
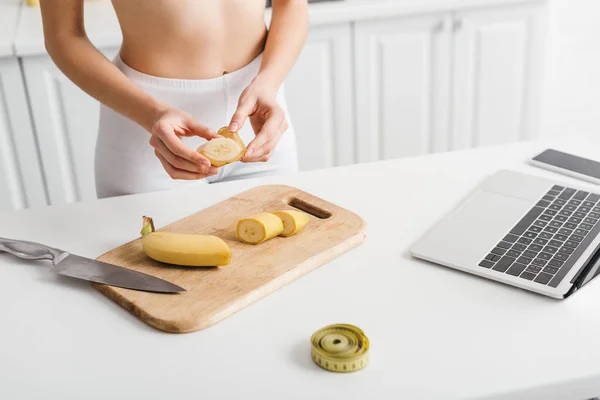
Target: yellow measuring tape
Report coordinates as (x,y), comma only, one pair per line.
(340,348)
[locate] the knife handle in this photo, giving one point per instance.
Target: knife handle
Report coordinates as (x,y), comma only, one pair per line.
(31,250)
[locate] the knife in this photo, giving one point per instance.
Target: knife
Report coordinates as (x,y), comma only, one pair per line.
(79,267)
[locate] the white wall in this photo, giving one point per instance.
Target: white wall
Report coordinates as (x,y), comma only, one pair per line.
(572,90)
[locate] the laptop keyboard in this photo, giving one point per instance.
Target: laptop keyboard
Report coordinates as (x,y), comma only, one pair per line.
(547,242)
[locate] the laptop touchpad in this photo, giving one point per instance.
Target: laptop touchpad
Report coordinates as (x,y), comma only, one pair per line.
(467,235)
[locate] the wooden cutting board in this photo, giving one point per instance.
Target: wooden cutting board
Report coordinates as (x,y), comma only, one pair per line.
(255,270)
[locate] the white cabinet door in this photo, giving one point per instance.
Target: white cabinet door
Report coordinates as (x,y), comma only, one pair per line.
(66,123)
(319,96)
(497,75)
(402,86)
(21,183)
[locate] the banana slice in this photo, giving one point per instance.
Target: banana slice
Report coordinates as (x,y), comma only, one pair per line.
(224,150)
(258,228)
(293,221)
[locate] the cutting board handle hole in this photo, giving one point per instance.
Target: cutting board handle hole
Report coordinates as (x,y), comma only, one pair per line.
(308,208)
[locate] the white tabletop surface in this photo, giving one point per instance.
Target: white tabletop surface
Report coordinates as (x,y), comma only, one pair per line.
(435,332)
(9,16)
(103,29)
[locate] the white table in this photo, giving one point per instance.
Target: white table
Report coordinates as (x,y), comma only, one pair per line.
(435,332)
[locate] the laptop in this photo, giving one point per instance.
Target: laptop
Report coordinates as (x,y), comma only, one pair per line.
(520,230)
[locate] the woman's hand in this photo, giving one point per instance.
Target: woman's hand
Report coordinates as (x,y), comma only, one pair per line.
(177,159)
(258,102)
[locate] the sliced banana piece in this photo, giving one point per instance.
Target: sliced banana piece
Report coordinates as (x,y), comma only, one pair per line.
(259,228)
(224,150)
(293,221)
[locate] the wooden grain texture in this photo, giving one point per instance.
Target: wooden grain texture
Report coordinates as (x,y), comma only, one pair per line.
(255,270)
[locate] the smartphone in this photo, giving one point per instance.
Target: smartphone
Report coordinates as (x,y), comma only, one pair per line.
(568,164)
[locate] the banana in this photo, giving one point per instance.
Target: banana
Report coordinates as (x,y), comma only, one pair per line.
(293,221)
(258,228)
(184,249)
(224,150)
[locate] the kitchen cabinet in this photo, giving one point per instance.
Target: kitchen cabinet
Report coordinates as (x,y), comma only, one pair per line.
(66,123)
(402,86)
(447,80)
(496,75)
(21,182)
(319,97)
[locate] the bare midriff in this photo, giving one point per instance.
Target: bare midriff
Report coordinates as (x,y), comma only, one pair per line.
(190,39)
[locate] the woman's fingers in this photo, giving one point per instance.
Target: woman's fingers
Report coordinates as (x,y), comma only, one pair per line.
(262,146)
(167,135)
(180,162)
(176,173)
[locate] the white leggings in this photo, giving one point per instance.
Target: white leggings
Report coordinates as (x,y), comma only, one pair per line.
(125,162)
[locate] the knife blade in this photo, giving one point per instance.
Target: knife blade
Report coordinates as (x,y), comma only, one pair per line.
(80,267)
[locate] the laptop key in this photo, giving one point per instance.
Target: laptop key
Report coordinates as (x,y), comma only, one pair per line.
(590,221)
(550,229)
(560,202)
(556,263)
(579,214)
(530,254)
(566,194)
(545,217)
(486,264)
(530,235)
(548,198)
(503,264)
(545,256)
(540,241)
(564,231)
(548,212)
(492,257)
(593,198)
(571,243)
(589,204)
(543,203)
(535,229)
(555,224)
(516,269)
(545,235)
(561,256)
(580,195)
(510,238)
(548,249)
(527,275)
(555,207)
(524,240)
(567,250)
(524,260)
(535,247)
(580,232)
(584,209)
(557,187)
(527,220)
(565,213)
(551,270)
(569,208)
(554,243)
(595,215)
(574,202)
(543,278)
(596,209)
(540,223)
(533,269)
(576,238)
(519,247)
(498,250)
(587,227)
(570,225)
(560,237)
(513,253)
(575,220)
(505,245)
(559,218)
(538,262)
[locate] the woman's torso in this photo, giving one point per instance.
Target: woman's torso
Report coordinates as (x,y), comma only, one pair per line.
(190,39)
